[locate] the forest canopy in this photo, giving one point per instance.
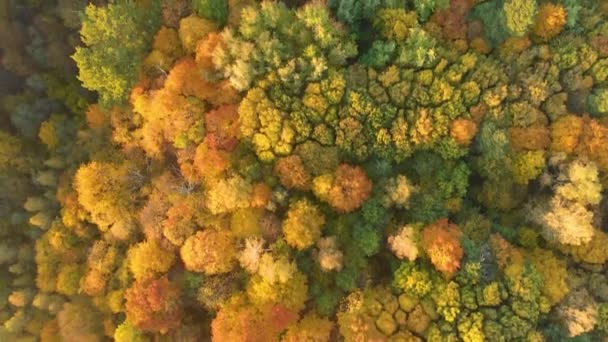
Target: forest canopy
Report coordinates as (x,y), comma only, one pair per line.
(341,170)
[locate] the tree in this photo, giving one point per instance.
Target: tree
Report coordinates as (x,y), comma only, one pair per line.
(554,272)
(11,152)
(115,37)
(441,242)
(550,20)
(397,192)
(249,257)
(350,189)
(105,191)
(404,243)
(292,173)
(193,29)
(565,217)
(148,260)
(578,312)
(210,251)
(241,321)
(79,321)
(228,195)
(154,305)
(598,102)
(330,257)
(223,128)
(303,224)
(425,8)
(311,328)
(519,15)
(216,10)
(126,332)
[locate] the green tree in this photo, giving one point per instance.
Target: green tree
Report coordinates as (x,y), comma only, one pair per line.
(116,37)
(216,10)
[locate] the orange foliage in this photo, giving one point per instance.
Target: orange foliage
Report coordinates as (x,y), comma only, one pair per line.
(515,45)
(223,127)
(479,45)
(154,306)
(180,221)
(452,20)
(550,20)
(185,78)
(594,143)
(292,173)
(463,131)
(185,160)
(152,214)
(204,50)
(565,133)
(583,136)
(94,282)
(96,118)
(530,138)
(239,322)
(210,163)
(505,253)
(224,94)
(351,188)
(262,194)
(441,242)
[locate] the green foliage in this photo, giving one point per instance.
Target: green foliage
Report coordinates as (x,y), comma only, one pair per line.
(353,12)
(116,38)
(425,8)
(494,22)
(603,317)
(379,55)
(216,10)
(598,102)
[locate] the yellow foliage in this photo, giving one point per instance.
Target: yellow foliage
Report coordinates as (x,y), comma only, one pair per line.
(104,192)
(592,252)
(565,133)
(246,222)
(48,134)
(302,227)
(292,294)
(167,41)
(395,24)
(322,185)
(550,20)
(311,328)
(209,251)
(192,29)
(554,272)
(148,260)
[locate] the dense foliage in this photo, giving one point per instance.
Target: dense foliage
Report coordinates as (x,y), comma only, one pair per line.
(356,170)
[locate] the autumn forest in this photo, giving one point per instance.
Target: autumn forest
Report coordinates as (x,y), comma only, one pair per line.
(303,171)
